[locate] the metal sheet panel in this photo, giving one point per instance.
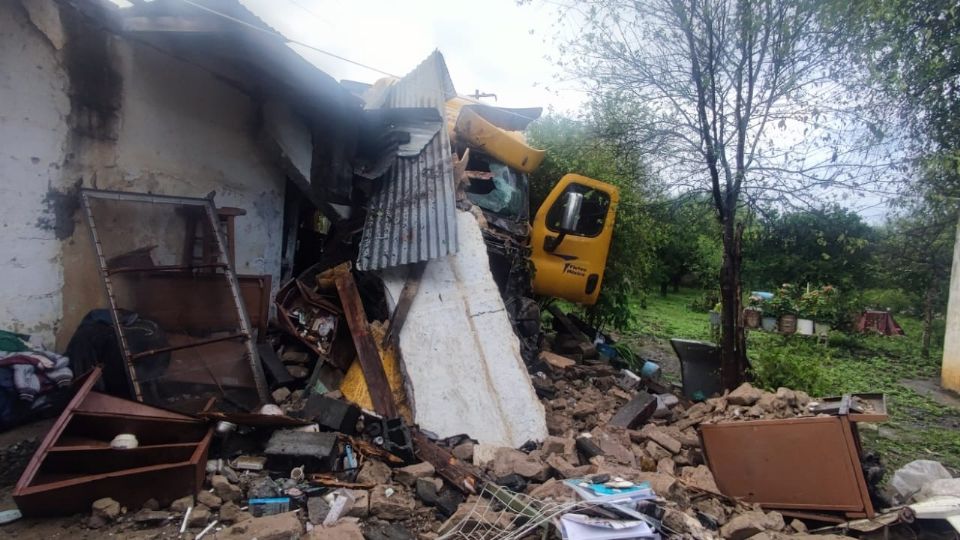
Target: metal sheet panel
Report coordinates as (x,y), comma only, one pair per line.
(412,215)
(796,463)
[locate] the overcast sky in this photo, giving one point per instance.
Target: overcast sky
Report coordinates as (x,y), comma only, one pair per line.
(494,45)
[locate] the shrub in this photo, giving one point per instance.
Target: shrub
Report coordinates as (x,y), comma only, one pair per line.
(793,363)
(896,300)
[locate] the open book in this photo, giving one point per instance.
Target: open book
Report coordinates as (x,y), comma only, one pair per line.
(600,493)
(581,527)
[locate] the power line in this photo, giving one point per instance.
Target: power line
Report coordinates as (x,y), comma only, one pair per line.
(310,11)
(284,38)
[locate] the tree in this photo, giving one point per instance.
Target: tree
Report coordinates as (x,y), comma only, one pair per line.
(826,246)
(690,246)
(737,102)
(908,51)
(573,146)
(916,253)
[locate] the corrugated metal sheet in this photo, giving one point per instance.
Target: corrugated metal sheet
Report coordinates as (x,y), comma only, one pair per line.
(412,216)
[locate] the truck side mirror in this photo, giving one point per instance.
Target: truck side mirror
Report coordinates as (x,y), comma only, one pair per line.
(569,220)
(573,202)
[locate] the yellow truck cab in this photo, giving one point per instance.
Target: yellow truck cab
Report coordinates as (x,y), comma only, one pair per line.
(571,232)
(571,238)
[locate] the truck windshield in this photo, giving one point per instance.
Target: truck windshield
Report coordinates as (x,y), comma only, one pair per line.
(504,194)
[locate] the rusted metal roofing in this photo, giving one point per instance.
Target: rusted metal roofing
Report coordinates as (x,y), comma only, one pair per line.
(411,217)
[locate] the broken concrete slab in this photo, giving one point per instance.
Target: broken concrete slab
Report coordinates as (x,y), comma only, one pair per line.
(509,461)
(463,452)
(231,513)
(225,490)
(209,499)
(667,466)
(391,503)
(408,475)
(745,394)
(285,526)
(699,477)
(659,436)
(565,447)
(198,516)
(181,504)
(374,472)
(557,361)
(751,523)
(151,517)
(343,530)
(637,411)
(333,414)
(288,448)
(361,503)
(106,509)
(460,354)
(317,510)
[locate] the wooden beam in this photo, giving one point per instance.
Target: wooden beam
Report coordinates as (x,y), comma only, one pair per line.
(367,353)
(400,312)
(461,475)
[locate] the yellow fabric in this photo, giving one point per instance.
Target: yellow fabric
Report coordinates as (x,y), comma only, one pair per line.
(354,385)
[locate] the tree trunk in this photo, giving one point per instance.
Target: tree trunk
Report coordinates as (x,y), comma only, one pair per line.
(733,346)
(663,288)
(928,299)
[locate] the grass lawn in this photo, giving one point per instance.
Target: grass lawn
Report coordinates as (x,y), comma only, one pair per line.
(924,423)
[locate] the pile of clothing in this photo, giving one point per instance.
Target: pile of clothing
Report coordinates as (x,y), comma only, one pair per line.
(29,378)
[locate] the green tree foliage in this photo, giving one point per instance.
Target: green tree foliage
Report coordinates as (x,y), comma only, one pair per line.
(831,245)
(910,52)
(738,104)
(690,246)
(915,256)
(573,147)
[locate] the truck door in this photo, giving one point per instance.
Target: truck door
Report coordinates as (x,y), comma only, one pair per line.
(571,238)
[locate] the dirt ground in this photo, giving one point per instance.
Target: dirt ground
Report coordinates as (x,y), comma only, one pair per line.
(16,448)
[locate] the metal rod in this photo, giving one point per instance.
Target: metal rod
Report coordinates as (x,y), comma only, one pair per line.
(152,352)
(170,267)
(108,288)
(256,369)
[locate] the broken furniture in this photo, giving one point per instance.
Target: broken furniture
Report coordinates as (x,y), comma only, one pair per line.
(699,368)
(75,464)
(800,464)
(191,292)
(313,315)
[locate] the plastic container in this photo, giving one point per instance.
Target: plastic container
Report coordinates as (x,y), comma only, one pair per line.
(787,324)
(805,327)
(769,324)
(125,441)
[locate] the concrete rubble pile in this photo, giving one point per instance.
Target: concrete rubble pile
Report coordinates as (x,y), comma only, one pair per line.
(413,501)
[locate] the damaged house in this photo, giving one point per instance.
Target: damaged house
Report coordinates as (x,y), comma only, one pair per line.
(163,102)
(290,303)
(163,99)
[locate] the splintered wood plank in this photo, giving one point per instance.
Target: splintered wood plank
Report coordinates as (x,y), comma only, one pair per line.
(367,353)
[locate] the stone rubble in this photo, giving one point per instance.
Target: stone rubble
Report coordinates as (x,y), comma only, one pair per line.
(412,501)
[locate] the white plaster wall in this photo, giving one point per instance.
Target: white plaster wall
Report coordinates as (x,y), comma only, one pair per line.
(950,370)
(183,132)
(461,359)
(33,131)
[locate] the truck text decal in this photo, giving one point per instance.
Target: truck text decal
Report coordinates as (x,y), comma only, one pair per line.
(570,268)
